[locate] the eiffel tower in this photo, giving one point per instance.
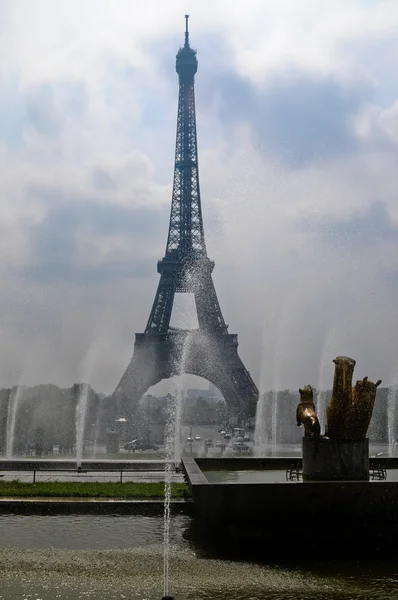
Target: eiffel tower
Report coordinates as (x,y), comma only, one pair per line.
(163,351)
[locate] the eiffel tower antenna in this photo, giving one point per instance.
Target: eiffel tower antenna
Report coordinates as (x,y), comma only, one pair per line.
(186,31)
(210,351)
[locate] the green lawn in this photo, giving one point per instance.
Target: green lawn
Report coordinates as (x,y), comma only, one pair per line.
(69,489)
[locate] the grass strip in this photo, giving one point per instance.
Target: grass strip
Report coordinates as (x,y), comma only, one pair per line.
(91,489)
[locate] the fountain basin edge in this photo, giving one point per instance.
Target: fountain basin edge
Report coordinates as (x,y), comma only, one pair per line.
(276,517)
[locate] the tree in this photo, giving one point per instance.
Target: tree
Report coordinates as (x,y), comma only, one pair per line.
(250,408)
(201,413)
(221,412)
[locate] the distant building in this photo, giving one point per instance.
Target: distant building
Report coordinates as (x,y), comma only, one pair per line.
(212,395)
(153,402)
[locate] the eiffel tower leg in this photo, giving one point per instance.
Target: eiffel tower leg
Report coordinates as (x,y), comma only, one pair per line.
(208,308)
(139,376)
(156,357)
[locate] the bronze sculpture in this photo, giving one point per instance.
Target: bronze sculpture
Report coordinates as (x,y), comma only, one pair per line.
(343,452)
(305,413)
(350,408)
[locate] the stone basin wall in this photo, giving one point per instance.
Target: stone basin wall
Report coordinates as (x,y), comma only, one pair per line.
(279,516)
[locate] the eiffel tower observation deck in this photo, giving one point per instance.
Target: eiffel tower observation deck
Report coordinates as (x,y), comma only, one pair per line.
(208,351)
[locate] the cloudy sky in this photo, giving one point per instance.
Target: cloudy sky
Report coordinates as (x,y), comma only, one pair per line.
(297,108)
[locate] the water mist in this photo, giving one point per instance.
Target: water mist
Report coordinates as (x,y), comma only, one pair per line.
(392,414)
(81,409)
(12,411)
(173,450)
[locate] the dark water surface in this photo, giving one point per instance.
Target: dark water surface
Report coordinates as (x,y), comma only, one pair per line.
(115,557)
(265,476)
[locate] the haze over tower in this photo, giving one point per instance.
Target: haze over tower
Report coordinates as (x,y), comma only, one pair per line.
(209,351)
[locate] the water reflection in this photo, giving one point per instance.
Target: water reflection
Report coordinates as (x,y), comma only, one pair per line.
(247,476)
(87,532)
(270,476)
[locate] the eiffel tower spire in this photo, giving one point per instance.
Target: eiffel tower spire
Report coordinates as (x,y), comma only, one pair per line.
(186,234)
(186,31)
(210,351)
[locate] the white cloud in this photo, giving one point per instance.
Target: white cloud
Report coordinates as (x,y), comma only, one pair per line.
(68,35)
(86,151)
(377,123)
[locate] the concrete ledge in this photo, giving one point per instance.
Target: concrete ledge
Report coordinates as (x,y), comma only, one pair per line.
(94,506)
(278,516)
(246,462)
(193,473)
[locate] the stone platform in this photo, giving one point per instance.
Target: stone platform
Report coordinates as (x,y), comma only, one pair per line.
(335,460)
(279,518)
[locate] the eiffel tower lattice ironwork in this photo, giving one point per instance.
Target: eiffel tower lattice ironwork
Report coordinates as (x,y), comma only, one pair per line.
(209,351)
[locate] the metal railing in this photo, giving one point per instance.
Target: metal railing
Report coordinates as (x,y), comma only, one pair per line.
(123,468)
(294,472)
(377,472)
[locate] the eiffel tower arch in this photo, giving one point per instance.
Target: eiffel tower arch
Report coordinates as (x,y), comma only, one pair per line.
(210,351)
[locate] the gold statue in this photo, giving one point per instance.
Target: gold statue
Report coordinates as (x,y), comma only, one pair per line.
(349,409)
(305,413)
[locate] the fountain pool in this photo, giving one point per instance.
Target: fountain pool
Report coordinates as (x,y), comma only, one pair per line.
(75,557)
(263,476)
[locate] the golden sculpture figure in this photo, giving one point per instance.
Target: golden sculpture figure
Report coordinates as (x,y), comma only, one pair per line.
(305,413)
(349,409)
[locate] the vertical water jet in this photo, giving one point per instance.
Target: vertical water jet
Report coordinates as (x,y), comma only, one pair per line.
(12,412)
(81,409)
